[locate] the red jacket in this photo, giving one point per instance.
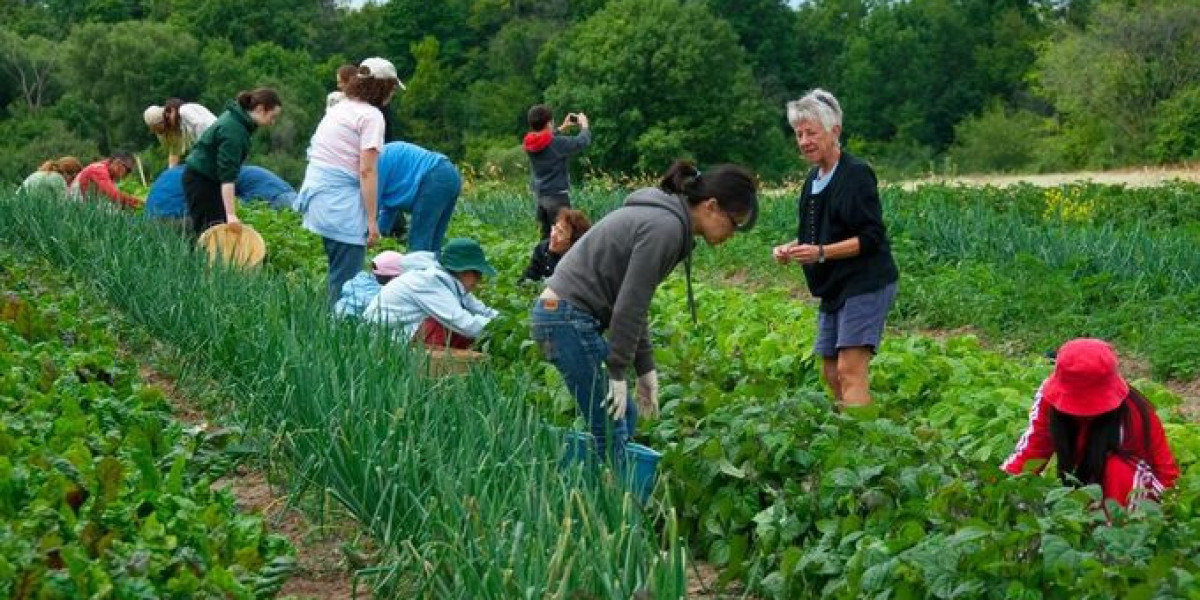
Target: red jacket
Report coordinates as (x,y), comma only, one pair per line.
(96,177)
(1151,470)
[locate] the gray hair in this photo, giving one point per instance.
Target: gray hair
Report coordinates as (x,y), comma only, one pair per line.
(816,105)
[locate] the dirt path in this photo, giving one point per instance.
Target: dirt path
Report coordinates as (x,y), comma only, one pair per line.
(1133,177)
(322,572)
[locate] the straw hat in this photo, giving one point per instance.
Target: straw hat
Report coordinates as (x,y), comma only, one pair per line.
(244,248)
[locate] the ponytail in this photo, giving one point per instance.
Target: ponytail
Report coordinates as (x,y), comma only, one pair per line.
(681,178)
(265,97)
(733,187)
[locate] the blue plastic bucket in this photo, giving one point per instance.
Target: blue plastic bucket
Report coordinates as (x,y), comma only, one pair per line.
(579,448)
(641,462)
(641,466)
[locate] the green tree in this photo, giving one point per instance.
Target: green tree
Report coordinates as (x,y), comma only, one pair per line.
(427,113)
(1177,127)
(503,83)
(284,22)
(915,69)
(1108,79)
(767,31)
(30,68)
(28,139)
(999,139)
(115,71)
(407,23)
(661,79)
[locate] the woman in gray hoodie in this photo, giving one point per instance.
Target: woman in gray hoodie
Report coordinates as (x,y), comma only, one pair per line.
(606,282)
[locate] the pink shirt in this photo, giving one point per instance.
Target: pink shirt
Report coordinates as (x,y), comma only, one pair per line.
(349,128)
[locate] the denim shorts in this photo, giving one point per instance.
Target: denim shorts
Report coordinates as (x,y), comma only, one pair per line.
(859,322)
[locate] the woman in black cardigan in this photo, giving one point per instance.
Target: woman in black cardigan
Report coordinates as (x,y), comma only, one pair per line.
(842,245)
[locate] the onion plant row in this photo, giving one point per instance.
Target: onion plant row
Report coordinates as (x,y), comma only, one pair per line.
(457,480)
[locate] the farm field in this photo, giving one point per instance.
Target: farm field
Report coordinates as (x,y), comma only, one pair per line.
(458,482)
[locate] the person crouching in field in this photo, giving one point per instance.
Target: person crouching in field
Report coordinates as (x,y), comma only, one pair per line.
(340,192)
(1102,430)
(358,293)
(209,181)
(842,245)
(570,226)
(101,178)
(53,177)
(435,305)
(606,283)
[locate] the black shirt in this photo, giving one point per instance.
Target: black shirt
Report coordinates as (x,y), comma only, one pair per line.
(542,263)
(847,207)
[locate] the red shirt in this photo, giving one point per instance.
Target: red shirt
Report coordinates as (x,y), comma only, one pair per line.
(1151,470)
(97,178)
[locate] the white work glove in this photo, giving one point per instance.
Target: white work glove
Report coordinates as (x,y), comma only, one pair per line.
(618,398)
(647,394)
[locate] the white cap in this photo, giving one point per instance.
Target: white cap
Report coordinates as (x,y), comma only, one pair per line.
(379,68)
(154,116)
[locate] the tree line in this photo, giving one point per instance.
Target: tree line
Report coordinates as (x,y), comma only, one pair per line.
(968,85)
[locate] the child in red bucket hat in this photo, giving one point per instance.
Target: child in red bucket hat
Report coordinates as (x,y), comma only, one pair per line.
(1102,430)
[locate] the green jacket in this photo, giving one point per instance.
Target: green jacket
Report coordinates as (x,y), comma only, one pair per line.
(221,150)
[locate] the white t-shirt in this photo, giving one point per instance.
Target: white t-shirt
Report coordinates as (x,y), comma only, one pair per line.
(349,128)
(194,120)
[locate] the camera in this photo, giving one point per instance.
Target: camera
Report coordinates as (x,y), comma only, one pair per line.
(572,118)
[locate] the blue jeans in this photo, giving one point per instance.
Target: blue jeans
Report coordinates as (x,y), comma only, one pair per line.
(570,339)
(433,207)
(345,261)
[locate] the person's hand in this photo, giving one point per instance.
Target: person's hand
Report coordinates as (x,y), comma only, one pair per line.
(781,253)
(233,223)
(566,123)
(582,119)
(805,254)
(372,234)
(618,398)
(647,394)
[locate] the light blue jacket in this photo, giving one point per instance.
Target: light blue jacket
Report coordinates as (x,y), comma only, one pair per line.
(406,301)
(331,202)
(357,294)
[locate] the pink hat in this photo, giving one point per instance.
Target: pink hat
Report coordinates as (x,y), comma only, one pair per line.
(1085,382)
(387,263)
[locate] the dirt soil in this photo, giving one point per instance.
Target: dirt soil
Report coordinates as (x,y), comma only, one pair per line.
(1134,177)
(323,573)
(702,584)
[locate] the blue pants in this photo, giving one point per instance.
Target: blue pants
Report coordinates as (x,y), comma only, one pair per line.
(570,339)
(345,261)
(433,207)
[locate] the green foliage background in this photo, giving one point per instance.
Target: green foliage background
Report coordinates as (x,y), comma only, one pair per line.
(946,83)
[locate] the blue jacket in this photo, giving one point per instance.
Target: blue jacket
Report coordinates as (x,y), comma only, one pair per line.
(166,199)
(357,294)
(257,182)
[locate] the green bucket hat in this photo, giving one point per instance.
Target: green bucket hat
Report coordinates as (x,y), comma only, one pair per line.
(463,254)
